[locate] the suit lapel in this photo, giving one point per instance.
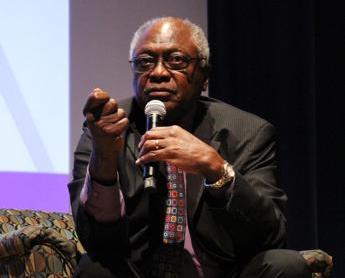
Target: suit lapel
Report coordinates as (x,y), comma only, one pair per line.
(130,154)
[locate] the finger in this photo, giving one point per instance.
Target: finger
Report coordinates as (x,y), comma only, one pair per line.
(164,131)
(149,135)
(160,132)
(109,107)
(162,154)
(95,100)
(89,117)
(155,133)
(109,114)
(157,128)
(113,117)
(152,145)
(150,157)
(116,128)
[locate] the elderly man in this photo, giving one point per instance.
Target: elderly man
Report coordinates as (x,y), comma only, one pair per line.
(216,210)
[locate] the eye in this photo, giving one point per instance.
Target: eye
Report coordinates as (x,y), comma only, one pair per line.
(177,59)
(143,62)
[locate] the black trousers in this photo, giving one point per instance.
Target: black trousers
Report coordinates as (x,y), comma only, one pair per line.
(277,263)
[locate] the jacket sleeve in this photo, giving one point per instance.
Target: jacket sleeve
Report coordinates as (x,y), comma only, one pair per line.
(96,237)
(252,218)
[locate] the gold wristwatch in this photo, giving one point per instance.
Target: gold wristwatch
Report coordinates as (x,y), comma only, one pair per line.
(228,175)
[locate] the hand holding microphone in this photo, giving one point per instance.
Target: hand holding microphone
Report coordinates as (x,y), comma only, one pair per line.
(155,112)
(175,145)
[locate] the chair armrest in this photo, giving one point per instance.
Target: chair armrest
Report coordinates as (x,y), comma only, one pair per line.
(38,243)
(319,262)
(36,249)
(12,219)
(21,241)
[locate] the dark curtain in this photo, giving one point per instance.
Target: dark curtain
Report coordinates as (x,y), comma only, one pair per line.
(283,60)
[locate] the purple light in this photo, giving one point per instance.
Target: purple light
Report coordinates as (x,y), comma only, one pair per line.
(37,191)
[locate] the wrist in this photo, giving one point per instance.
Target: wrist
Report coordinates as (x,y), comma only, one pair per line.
(213,167)
(227,176)
(107,146)
(103,169)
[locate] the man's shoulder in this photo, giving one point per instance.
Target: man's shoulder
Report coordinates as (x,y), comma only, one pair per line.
(227,114)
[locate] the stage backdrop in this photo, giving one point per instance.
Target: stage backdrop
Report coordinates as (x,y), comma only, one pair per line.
(34,104)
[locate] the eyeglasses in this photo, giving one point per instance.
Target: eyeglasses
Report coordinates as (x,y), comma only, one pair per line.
(172,61)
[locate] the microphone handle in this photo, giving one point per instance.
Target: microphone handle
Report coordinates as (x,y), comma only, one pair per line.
(152,120)
(150,169)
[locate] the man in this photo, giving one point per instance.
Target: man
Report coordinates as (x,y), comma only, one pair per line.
(227,219)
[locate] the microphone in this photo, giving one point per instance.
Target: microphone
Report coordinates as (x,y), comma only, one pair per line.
(155,112)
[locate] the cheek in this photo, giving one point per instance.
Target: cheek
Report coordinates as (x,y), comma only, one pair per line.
(138,85)
(187,90)
(138,92)
(183,84)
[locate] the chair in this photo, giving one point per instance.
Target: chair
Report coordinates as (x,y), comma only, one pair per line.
(45,244)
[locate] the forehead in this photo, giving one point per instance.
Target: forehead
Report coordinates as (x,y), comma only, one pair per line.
(166,35)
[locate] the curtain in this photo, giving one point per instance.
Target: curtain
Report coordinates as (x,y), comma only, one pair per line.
(282,60)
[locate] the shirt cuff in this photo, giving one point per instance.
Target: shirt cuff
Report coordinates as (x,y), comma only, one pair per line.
(105,203)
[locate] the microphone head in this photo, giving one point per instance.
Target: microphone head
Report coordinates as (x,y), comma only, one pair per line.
(155,107)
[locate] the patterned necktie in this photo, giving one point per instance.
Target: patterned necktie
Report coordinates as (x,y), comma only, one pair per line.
(175,218)
(167,261)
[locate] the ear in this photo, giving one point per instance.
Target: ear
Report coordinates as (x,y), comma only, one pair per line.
(205,69)
(205,85)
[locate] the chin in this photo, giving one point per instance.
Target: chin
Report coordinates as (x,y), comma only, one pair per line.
(170,107)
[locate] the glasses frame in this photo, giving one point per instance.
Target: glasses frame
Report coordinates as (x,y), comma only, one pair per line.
(164,63)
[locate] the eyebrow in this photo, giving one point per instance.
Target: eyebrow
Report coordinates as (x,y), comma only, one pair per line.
(153,53)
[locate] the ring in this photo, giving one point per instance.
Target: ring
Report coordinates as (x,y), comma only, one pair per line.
(157,144)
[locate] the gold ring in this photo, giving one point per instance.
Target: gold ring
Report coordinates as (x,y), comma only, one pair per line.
(157,144)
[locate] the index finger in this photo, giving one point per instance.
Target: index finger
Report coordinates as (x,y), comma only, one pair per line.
(95,101)
(155,133)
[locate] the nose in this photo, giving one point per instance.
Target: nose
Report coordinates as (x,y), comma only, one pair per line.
(159,73)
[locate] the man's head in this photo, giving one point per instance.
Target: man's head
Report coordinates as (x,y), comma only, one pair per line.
(169,59)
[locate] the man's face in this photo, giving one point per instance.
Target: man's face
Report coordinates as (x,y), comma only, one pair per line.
(178,89)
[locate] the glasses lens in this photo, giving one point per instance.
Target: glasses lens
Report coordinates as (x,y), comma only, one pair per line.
(143,64)
(177,61)
(174,61)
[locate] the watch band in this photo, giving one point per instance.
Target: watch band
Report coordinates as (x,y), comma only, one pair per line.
(228,175)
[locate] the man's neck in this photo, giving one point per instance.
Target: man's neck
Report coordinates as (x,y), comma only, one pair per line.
(186,121)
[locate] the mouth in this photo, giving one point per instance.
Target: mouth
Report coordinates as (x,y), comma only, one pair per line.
(159,92)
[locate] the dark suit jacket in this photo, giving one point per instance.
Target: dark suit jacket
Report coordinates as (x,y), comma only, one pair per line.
(224,232)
